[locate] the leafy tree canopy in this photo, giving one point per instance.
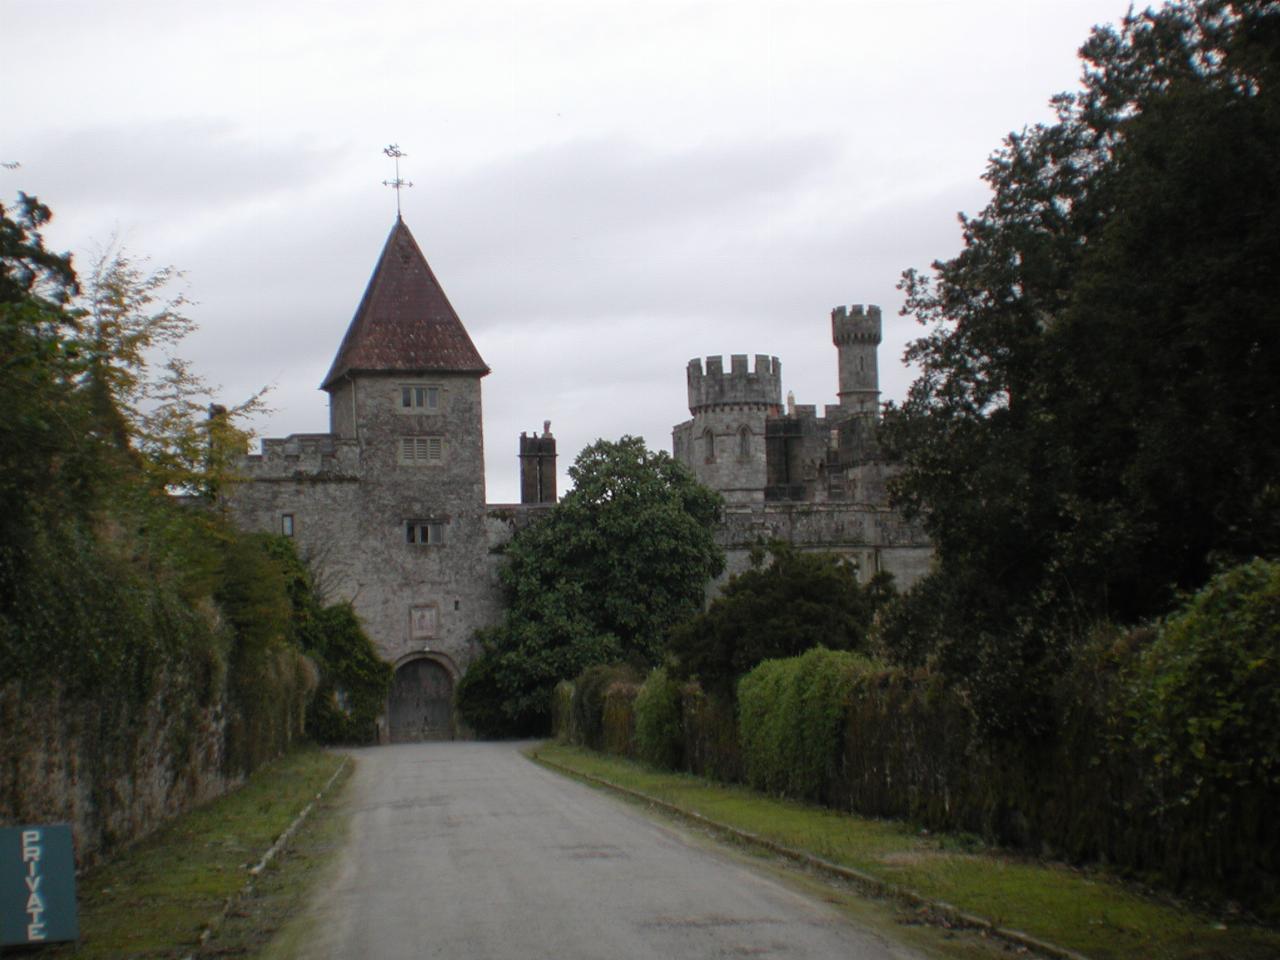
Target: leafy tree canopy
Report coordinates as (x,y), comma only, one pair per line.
(42,453)
(156,405)
(622,557)
(27,267)
(91,387)
(795,602)
(1096,424)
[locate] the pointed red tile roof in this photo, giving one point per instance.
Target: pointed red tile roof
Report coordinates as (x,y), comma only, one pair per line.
(405,323)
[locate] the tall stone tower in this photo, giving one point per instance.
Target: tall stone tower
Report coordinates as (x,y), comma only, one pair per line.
(856,334)
(724,443)
(390,504)
(405,386)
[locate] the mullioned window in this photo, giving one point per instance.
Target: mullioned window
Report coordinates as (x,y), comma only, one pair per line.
(419,398)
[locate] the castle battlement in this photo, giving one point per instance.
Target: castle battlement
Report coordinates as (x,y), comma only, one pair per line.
(302,454)
(855,325)
(741,386)
(298,445)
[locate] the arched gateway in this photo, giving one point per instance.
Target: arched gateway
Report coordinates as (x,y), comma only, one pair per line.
(421,702)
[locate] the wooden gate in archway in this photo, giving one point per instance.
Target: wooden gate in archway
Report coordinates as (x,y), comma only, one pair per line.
(421,704)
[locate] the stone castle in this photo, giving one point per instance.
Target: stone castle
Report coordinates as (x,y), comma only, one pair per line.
(788,474)
(390,504)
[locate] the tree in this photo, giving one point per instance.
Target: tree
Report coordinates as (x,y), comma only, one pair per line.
(132,320)
(622,557)
(27,268)
(116,600)
(1096,424)
(83,494)
(88,378)
(43,448)
(794,603)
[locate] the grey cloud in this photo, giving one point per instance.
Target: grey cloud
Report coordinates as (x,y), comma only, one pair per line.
(178,166)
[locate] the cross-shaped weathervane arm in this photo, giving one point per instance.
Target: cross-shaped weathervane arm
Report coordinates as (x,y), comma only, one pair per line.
(395,153)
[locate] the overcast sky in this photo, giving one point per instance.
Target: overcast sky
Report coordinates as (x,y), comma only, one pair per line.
(605,189)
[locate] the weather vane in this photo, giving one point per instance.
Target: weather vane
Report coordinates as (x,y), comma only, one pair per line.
(394,153)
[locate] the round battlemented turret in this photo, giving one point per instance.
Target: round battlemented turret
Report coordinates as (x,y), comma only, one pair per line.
(724,443)
(856,334)
(740,386)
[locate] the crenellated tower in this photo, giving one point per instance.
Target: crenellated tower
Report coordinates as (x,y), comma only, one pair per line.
(812,477)
(856,334)
(724,442)
(740,387)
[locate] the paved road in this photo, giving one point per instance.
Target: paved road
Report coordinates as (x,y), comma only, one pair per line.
(469,851)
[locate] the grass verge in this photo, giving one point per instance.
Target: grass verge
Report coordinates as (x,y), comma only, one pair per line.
(156,898)
(1084,912)
(257,922)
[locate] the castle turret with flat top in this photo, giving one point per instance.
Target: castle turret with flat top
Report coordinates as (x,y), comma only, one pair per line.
(724,442)
(856,334)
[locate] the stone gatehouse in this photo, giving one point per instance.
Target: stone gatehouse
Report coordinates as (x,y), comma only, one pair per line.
(389,505)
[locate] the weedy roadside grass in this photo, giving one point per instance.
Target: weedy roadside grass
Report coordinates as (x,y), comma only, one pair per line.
(155,898)
(257,924)
(1085,911)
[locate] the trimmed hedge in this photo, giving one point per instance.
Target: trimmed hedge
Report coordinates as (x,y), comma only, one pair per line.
(589,693)
(790,721)
(618,721)
(663,722)
(711,746)
(1208,703)
(658,721)
(1206,717)
(562,725)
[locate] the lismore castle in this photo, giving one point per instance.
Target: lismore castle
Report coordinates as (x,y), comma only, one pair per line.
(390,503)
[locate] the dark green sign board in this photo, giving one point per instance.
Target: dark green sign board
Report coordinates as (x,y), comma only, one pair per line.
(37,885)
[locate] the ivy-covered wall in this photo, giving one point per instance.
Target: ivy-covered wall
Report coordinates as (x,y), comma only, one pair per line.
(140,678)
(116,769)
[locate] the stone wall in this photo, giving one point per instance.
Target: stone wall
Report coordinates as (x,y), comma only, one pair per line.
(876,537)
(113,771)
(116,763)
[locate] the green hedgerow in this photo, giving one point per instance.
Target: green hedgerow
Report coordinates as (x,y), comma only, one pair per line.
(659,721)
(791,719)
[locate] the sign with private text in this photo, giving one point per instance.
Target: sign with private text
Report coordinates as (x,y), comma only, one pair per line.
(37,885)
